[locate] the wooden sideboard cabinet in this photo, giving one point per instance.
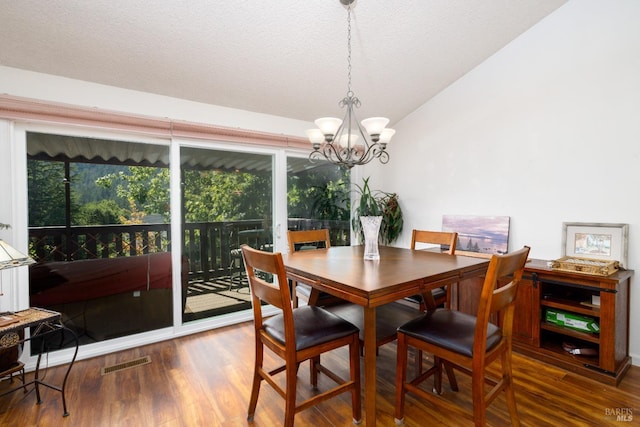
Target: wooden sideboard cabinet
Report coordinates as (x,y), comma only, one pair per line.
(544,289)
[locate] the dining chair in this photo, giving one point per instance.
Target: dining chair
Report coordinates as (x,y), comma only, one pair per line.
(447,241)
(302,240)
(470,343)
(296,335)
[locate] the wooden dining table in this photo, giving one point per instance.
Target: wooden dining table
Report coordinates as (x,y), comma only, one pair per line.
(343,272)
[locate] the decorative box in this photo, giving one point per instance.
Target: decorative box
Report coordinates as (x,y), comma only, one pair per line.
(572,321)
(586,266)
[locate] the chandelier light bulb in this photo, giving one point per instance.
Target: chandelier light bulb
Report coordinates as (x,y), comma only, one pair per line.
(375,125)
(328,126)
(316,137)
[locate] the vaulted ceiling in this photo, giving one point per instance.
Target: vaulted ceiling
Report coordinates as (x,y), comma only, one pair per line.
(280,57)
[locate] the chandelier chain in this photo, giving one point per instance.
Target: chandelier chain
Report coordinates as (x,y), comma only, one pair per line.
(349,92)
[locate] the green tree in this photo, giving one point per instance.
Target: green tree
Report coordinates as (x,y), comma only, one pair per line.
(215,195)
(85,183)
(322,193)
(331,201)
(98,213)
(145,188)
(211,196)
(46,193)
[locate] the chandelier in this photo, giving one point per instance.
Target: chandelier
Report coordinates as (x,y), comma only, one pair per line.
(348,142)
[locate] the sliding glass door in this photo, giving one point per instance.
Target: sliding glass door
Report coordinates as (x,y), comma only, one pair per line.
(226,203)
(99,231)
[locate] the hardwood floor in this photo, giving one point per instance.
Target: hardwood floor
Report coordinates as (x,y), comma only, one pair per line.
(204,380)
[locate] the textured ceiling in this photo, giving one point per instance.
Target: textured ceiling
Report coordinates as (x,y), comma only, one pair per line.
(281,57)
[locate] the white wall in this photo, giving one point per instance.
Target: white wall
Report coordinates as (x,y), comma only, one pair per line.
(545,131)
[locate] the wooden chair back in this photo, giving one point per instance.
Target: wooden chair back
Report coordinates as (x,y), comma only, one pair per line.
(499,298)
(260,265)
(449,239)
(442,238)
(305,240)
(315,238)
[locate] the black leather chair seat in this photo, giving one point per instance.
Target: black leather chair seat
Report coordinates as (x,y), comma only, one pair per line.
(313,326)
(449,329)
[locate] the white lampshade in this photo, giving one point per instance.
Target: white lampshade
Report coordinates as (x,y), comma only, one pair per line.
(328,125)
(315,136)
(385,135)
(375,125)
(10,257)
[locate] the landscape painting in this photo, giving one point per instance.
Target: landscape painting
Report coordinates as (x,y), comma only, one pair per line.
(479,234)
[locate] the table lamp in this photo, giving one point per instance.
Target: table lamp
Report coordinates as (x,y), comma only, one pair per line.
(10,257)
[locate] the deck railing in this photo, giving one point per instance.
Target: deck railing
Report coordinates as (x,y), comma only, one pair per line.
(211,248)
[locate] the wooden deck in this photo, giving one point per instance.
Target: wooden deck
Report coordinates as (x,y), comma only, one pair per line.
(215,297)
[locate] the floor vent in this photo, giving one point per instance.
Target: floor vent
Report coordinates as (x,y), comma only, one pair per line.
(126,365)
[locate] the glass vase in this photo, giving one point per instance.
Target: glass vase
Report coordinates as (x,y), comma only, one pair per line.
(371,228)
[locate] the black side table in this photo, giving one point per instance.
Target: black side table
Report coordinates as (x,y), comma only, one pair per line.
(45,322)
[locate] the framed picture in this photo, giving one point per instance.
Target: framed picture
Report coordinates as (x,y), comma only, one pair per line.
(596,241)
(479,235)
